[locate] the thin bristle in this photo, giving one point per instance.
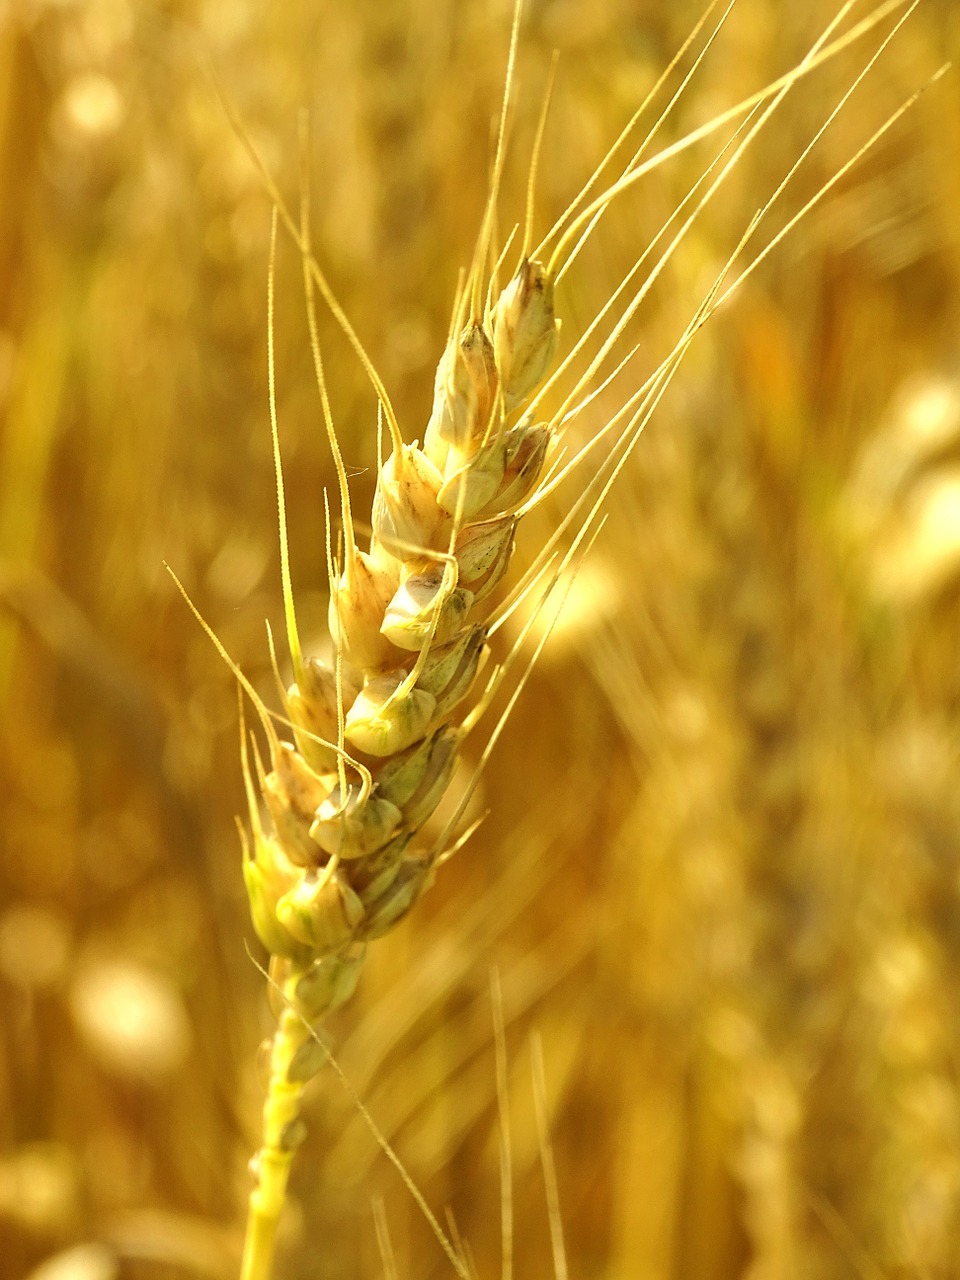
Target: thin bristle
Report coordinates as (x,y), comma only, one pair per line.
(484,237)
(718,122)
(638,155)
(548,1165)
(289,610)
(628,128)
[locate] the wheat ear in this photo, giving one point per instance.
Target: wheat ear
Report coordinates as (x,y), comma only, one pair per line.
(377,733)
(378,730)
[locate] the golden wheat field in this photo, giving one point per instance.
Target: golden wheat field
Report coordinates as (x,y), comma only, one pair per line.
(714,903)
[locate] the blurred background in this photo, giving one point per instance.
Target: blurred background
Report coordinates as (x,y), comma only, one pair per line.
(720,879)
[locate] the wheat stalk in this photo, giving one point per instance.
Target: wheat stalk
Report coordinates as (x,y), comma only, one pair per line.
(376,731)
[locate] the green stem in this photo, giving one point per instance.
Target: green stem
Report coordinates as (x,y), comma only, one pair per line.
(281,1132)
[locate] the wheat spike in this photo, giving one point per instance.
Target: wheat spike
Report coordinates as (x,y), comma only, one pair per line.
(377,731)
(409,622)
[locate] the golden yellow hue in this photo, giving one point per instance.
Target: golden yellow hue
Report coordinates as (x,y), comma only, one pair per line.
(720,872)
